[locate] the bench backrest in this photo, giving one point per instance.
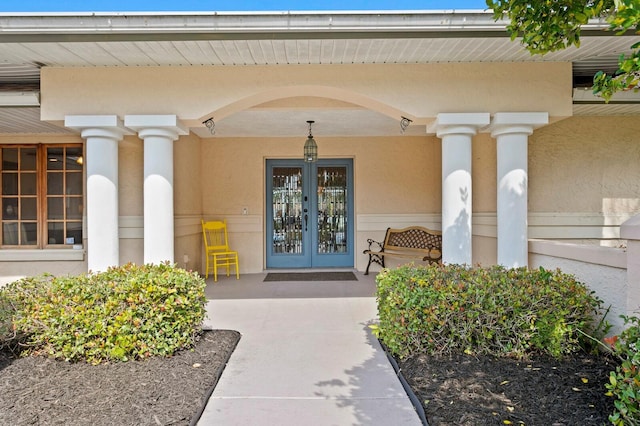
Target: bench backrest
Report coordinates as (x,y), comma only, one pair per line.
(414,237)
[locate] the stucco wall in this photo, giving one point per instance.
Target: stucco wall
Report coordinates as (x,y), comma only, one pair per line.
(484,173)
(130,200)
(419,90)
(394,176)
(187,202)
(586,164)
(187,182)
(12,271)
(130,176)
(601,269)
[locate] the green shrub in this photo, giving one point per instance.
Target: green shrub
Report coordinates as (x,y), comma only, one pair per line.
(624,383)
(498,311)
(128,312)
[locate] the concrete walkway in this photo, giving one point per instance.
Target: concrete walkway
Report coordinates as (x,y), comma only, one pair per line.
(306,356)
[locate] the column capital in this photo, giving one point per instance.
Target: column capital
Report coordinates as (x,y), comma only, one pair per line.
(517,122)
(103,126)
(156,125)
(458,123)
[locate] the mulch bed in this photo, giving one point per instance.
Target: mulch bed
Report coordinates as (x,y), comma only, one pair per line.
(458,390)
(157,391)
(467,390)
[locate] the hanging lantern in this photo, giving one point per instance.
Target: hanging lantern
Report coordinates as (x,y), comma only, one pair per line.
(310,147)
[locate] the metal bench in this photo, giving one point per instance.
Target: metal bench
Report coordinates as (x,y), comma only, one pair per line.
(414,242)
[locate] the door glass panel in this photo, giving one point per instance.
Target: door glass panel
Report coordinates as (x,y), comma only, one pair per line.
(287,210)
(332,209)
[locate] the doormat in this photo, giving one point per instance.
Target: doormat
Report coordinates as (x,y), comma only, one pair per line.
(311,276)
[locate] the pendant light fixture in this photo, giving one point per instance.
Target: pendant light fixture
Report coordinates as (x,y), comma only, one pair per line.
(310,147)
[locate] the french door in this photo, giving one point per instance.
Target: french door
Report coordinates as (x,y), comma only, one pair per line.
(309,213)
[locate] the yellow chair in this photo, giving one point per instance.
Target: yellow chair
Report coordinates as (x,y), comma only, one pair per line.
(217,250)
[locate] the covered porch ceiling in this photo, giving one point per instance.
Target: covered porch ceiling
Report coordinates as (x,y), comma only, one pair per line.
(29,42)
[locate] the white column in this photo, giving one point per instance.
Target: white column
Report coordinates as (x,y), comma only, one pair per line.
(456,131)
(102,133)
(158,133)
(512,130)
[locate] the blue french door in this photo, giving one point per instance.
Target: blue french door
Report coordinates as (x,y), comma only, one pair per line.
(309,213)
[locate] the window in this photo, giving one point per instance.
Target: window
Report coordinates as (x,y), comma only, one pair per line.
(42,195)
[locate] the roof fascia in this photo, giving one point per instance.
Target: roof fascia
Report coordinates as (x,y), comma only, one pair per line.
(285,25)
(183,26)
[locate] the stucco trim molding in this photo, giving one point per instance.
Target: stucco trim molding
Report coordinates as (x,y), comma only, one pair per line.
(131,227)
(41,255)
(380,222)
(575,225)
(541,225)
(608,256)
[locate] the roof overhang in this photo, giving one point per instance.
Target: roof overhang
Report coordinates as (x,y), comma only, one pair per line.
(29,41)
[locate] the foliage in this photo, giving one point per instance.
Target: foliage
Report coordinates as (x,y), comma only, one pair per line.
(128,312)
(492,311)
(547,26)
(624,383)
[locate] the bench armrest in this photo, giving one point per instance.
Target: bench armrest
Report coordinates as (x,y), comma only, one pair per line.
(374,242)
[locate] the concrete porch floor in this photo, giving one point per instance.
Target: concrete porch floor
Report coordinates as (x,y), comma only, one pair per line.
(306,355)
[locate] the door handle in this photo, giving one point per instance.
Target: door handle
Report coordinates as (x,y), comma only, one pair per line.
(306,219)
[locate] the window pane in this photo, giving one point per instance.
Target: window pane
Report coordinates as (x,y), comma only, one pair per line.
(74,183)
(9,184)
(55,158)
(10,233)
(23,200)
(55,233)
(55,183)
(28,159)
(9,208)
(74,208)
(74,230)
(29,208)
(55,208)
(9,159)
(74,158)
(29,234)
(28,184)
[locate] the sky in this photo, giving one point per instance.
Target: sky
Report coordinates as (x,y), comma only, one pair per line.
(230,5)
